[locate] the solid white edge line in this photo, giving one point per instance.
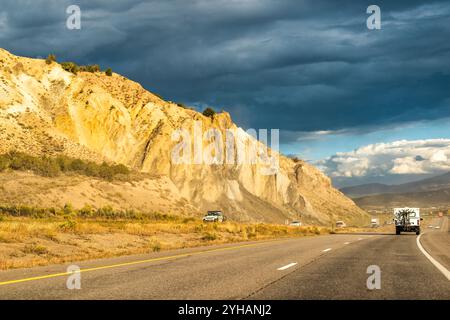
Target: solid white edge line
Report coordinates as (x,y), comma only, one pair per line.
(326,250)
(439,266)
(287,266)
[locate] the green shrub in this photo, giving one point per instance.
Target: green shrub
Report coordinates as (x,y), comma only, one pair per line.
(87,168)
(90,68)
(76,165)
(64,163)
(75,68)
(209,236)
(21,161)
(68,212)
(209,112)
(155,245)
(68,209)
(51,167)
(70,67)
(25,211)
(48,168)
(68,225)
(4,163)
(35,249)
(106,212)
(108,72)
(120,169)
(131,214)
(50,58)
(87,211)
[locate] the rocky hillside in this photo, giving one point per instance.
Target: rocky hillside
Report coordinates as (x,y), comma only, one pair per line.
(45,110)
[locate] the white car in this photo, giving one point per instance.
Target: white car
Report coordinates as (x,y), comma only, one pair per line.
(340,224)
(430,227)
(437,227)
(295,224)
(214,216)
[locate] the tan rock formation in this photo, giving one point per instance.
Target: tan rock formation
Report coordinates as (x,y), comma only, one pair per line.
(46,110)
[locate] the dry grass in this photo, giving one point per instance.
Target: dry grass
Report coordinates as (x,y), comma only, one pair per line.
(30,241)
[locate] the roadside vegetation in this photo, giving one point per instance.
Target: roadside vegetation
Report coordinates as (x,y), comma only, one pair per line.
(52,167)
(31,236)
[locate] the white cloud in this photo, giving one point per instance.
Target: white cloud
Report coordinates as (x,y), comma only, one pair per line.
(407,165)
(440,156)
(394,158)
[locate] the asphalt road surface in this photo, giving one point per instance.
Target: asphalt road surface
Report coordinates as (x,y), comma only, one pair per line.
(323,267)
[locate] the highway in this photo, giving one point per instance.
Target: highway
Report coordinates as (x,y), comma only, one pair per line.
(322,267)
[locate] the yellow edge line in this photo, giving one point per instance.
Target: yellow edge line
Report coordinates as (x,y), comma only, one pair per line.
(130,263)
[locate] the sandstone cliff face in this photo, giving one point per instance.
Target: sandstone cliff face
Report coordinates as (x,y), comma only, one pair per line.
(46,110)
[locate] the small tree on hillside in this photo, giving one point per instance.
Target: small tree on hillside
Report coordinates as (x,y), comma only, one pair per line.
(209,112)
(108,72)
(50,58)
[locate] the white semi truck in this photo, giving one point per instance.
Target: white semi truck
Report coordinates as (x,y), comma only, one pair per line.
(407,220)
(375,222)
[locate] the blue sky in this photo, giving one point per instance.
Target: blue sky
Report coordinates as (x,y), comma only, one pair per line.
(310,68)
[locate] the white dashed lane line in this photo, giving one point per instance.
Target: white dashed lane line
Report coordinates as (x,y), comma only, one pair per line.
(287,266)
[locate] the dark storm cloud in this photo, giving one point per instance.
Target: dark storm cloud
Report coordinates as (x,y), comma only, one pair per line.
(293,65)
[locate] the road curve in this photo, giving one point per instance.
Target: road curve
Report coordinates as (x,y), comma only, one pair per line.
(323,267)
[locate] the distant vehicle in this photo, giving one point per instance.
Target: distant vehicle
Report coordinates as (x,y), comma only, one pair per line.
(340,224)
(214,216)
(440,214)
(407,220)
(430,227)
(437,227)
(375,222)
(295,224)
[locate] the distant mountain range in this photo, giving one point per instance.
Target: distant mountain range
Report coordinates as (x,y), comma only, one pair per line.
(435,198)
(429,184)
(433,191)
